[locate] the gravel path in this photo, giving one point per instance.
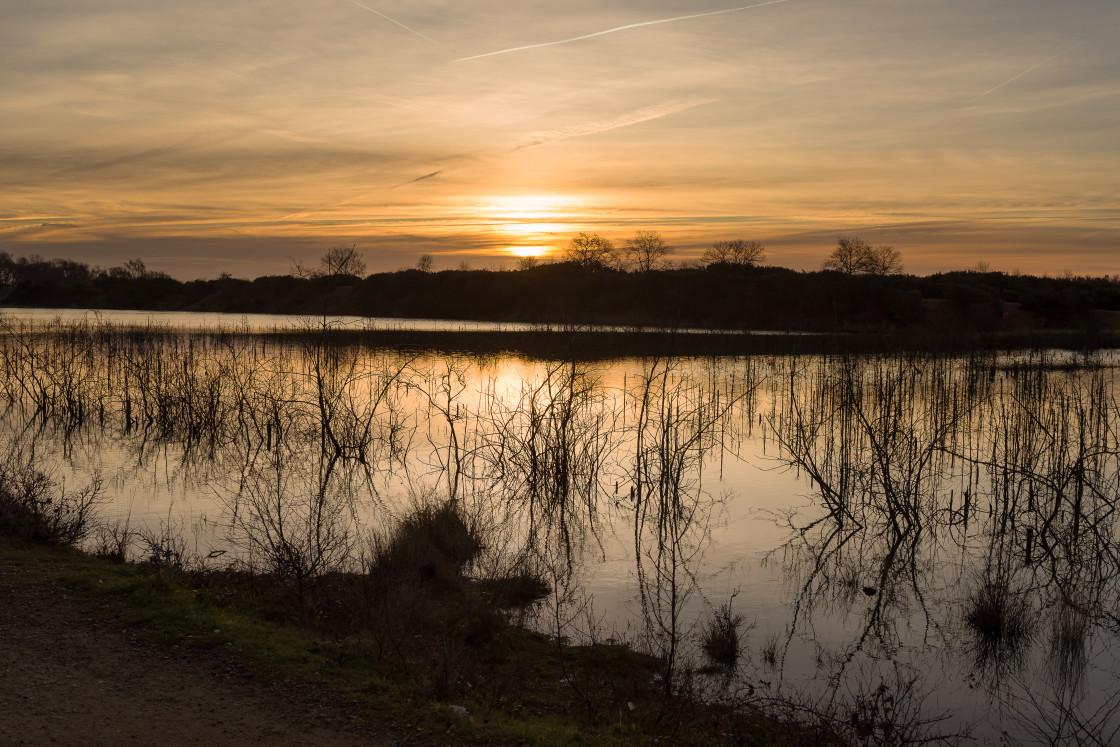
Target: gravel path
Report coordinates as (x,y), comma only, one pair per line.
(72,674)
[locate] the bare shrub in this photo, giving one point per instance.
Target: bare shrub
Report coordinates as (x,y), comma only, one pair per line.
(35,505)
(883,710)
(1068,640)
(114,541)
(165,548)
(293,524)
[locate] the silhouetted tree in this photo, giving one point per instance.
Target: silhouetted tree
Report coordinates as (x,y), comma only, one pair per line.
(8,272)
(850,256)
(135,269)
(735,252)
(854,256)
(342,260)
(591,251)
(646,251)
(884,260)
(424,264)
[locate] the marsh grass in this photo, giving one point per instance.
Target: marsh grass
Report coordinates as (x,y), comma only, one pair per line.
(769,651)
(997,613)
(907,452)
(1002,621)
(722,634)
(1069,634)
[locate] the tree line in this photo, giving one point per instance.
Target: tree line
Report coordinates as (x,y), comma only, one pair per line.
(859,287)
(647,251)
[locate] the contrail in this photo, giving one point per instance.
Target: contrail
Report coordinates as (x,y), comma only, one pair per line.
(418,179)
(406,28)
(1030,69)
(618,28)
(594,128)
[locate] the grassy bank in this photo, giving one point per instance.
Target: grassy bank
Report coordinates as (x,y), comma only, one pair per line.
(526,688)
(166,608)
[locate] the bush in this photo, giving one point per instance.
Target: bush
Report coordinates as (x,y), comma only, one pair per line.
(34,505)
(433,543)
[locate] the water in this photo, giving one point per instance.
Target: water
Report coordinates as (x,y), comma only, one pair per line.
(939,531)
(203,321)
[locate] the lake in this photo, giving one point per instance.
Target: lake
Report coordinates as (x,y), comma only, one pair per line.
(932,534)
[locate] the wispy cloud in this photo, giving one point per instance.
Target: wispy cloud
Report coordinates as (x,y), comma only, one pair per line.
(192,143)
(1030,69)
(406,28)
(432,175)
(593,128)
(618,28)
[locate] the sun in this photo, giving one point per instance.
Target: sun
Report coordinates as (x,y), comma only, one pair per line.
(533,225)
(529,251)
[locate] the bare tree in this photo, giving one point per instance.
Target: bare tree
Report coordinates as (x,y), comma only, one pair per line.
(591,251)
(135,269)
(884,260)
(338,260)
(735,252)
(527,263)
(300,270)
(647,250)
(854,256)
(424,264)
(850,256)
(342,260)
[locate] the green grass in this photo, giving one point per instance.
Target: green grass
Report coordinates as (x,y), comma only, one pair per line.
(162,610)
(535,694)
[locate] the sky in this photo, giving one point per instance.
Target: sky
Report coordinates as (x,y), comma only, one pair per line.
(241,136)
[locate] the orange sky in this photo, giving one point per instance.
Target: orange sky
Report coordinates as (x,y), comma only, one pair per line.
(243,134)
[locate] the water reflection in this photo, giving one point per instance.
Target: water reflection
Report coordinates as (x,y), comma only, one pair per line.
(949,522)
(951,485)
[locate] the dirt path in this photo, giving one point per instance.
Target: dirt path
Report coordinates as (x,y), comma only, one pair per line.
(71,674)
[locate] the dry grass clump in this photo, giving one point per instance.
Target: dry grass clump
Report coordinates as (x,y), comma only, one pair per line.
(1002,622)
(997,613)
(418,603)
(721,637)
(433,544)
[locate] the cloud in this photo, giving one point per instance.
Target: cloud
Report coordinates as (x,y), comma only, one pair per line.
(406,28)
(617,29)
(432,175)
(193,143)
(1030,69)
(593,128)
